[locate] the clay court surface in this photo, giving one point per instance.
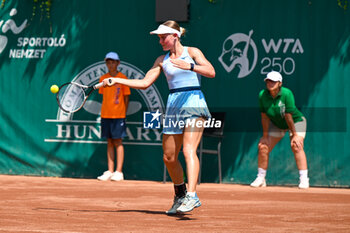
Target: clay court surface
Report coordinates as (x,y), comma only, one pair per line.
(45,204)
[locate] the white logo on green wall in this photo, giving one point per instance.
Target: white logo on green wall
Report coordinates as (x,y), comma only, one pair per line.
(240,52)
(29,47)
(235,54)
(11,25)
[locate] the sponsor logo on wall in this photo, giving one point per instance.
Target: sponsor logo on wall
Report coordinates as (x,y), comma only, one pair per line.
(26,47)
(240,53)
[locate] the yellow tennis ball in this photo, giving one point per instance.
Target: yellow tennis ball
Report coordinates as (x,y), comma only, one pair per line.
(54,89)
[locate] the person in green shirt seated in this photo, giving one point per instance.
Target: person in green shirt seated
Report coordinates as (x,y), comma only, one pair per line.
(279,115)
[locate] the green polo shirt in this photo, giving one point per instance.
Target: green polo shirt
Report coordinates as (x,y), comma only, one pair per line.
(275,108)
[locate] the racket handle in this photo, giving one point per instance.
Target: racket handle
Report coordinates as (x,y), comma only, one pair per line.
(98,85)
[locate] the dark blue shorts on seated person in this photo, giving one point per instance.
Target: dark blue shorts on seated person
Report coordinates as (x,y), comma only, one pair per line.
(113,128)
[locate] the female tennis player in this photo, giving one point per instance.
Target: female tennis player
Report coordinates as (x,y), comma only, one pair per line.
(183,67)
(278,115)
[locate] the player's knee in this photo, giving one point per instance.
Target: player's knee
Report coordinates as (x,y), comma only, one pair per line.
(189,152)
(296,149)
(117,142)
(263,147)
(110,142)
(169,159)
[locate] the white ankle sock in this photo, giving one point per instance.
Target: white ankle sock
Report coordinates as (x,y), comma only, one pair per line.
(303,174)
(191,194)
(261,172)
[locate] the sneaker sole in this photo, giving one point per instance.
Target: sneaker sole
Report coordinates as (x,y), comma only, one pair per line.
(196,206)
(171,213)
(260,186)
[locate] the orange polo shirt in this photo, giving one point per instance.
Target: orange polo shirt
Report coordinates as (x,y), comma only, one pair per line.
(113,103)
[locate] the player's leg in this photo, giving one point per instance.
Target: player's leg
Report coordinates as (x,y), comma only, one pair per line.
(118,174)
(106,133)
(264,150)
(110,161)
(191,140)
(171,147)
(301,162)
(118,131)
(118,143)
(110,155)
(300,156)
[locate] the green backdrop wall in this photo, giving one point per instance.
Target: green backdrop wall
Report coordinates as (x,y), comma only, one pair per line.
(41,45)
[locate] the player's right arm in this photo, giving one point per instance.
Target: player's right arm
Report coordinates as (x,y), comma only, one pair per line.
(150,77)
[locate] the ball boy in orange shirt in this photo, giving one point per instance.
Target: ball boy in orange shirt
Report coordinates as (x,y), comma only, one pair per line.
(113,113)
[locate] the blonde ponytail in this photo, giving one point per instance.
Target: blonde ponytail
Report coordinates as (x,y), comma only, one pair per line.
(174,25)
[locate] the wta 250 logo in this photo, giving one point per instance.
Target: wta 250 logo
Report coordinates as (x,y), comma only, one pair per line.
(235,53)
(240,54)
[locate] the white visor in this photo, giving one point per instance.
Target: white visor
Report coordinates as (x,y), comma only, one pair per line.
(162,29)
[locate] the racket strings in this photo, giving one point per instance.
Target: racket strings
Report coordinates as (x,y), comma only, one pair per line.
(71,97)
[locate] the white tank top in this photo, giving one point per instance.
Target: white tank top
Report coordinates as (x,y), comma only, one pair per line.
(179,78)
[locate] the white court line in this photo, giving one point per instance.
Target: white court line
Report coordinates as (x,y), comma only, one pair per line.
(103,142)
(77,121)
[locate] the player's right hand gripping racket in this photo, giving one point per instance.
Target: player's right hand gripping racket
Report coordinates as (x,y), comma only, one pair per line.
(72,96)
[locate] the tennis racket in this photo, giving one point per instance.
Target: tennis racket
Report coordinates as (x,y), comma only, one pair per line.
(72,96)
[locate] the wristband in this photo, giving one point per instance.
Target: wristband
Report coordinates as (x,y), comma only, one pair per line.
(192,66)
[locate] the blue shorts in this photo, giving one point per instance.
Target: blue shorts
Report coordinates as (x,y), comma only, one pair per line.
(182,106)
(113,128)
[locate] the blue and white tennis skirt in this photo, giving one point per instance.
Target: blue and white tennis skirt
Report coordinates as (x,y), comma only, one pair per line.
(183,106)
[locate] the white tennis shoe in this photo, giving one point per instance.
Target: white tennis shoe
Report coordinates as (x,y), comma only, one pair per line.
(189,203)
(258,182)
(117,176)
(304,183)
(105,176)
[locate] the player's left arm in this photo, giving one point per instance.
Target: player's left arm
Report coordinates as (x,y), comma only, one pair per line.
(202,66)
